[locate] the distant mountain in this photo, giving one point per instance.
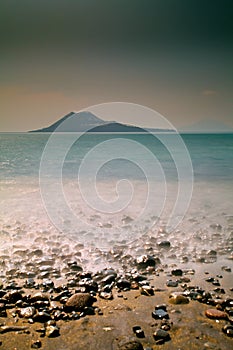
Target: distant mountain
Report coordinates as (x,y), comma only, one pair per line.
(86,121)
(74,122)
(207,126)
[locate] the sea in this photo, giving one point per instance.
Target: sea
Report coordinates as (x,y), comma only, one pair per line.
(61,193)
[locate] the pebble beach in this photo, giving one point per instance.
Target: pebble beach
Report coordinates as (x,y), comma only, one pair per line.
(157,300)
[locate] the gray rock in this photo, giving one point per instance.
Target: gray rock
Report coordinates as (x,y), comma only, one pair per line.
(161,334)
(171,283)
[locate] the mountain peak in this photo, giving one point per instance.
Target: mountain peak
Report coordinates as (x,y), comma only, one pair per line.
(75,122)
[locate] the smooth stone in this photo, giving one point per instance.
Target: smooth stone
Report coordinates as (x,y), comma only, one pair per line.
(3,313)
(39,296)
(123,284)
(27,312)
(145,261)
(108,279)
(136,328)
(211,253)
(106,295)
(79,300)
(36,344)
(89,285)
(13,296)
(41,316)
(171,283)
(177,272)
(161,306)
(161,334)
(139,333)
(131,345)
(178,299)
(228,330)
(164,244)
(147,290)
(160,314)
(215,314)
(226,268)
(52,331)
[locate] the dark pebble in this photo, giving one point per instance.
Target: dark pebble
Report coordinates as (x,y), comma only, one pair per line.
(177,272)
(147,290)
(145,261)
(42,317)
(136,328)
(160,314)
(210,279)
(161,334)
(171,283)
(164,244)
(226,268)
(139,333)
(123,284)
(36,344)
(52,331)
(13,296)
(132,345)
(228,330)
(161,306)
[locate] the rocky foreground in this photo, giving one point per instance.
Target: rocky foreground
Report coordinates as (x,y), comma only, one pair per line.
(148,305)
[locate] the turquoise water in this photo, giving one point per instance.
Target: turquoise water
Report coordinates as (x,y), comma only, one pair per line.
(42,192)
(211,155)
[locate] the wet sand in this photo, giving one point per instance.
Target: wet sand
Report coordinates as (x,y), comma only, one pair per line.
(108,324)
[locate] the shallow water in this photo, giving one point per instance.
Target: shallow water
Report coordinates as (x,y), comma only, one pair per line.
(132,214)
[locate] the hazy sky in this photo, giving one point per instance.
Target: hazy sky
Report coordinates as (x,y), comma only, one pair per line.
(174,56)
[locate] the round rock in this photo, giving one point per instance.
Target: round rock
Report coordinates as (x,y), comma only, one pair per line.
(215,314)
(79,301)
(132,345)
(178,299)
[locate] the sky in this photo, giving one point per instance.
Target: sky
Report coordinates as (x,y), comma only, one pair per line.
(173,56)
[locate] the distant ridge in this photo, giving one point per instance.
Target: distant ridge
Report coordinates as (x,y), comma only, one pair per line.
(88,122)
(74,122)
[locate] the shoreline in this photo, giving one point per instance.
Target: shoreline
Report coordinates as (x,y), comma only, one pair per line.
(122,302)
